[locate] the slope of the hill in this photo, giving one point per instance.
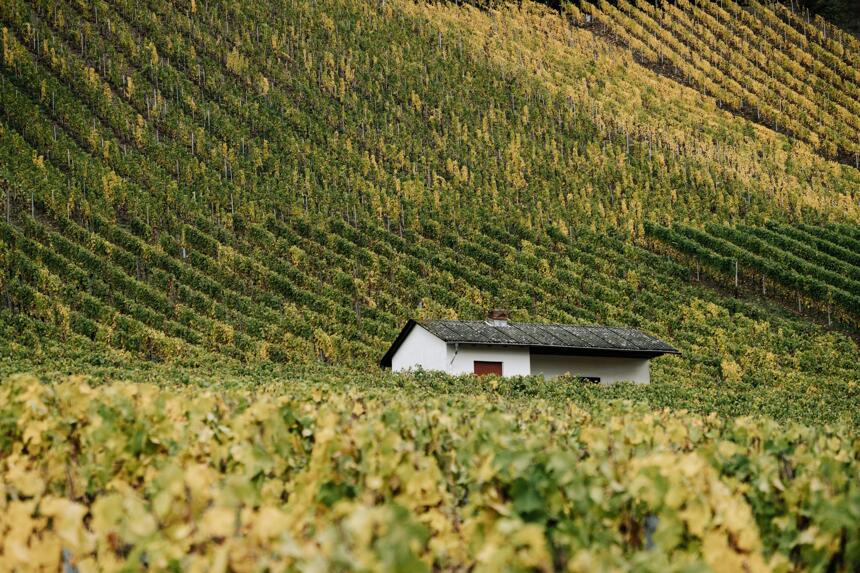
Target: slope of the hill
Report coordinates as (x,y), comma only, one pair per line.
(338,106)
(290,181)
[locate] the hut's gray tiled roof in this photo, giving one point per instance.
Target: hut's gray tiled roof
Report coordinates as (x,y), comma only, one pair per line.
(542,338)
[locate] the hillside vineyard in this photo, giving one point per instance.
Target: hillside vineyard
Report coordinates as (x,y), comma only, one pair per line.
(792,75)
(273,184)
(217,216)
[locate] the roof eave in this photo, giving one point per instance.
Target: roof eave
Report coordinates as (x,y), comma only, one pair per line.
(602,352)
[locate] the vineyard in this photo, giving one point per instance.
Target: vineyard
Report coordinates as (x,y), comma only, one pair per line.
(145,477)
(118,292)
(216,216)
(172,198)
(792,74)
(818,266)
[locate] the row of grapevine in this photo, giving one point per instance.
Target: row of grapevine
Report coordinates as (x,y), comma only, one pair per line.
(788,263)
(769,70)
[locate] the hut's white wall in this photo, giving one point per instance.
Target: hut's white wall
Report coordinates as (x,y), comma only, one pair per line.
(515,359)
(420,349)
(608,369)
(424,350)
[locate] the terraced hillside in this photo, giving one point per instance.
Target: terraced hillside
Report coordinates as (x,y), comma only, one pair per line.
(291,181)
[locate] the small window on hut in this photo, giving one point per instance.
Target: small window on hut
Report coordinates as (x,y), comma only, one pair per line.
(482,368)
(594,379)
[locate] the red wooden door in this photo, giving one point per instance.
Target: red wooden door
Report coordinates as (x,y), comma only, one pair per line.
(482,368)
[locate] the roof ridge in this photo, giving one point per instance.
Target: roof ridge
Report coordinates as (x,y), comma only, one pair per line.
(484,321)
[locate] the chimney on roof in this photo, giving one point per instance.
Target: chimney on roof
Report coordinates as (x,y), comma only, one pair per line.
(498,317)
